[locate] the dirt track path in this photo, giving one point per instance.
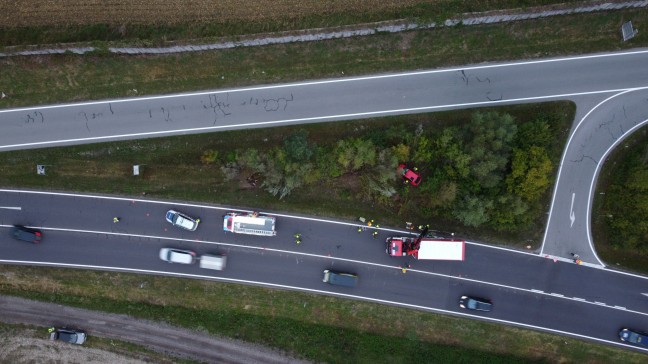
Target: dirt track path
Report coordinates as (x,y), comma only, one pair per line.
(156,336)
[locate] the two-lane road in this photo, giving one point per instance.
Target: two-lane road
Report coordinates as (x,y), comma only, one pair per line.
(527,289)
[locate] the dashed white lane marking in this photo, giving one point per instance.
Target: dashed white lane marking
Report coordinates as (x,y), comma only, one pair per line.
(297,254)
(342,295)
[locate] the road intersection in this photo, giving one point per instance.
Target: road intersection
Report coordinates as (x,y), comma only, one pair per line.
(610,91)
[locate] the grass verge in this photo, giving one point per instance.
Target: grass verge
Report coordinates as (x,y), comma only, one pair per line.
(173,170)
(320,328)
(54,79)
(20,342)
(148,20)
(613,201)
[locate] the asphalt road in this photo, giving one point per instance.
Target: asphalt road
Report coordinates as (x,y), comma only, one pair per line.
(610,94)
(527,289)
(587,80)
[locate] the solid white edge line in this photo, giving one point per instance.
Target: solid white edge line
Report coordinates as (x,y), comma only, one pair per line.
(289,252)
(597,171)
(330,293)
(314,118)
(562,161)
(351,79)
(174,203)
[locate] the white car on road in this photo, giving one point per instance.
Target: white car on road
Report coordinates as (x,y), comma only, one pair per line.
(181,220)
(172,255)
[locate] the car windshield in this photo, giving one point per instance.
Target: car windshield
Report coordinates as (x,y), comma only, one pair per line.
(68,337)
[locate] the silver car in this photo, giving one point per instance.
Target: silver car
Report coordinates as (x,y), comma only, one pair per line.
(177,256)
(71,336)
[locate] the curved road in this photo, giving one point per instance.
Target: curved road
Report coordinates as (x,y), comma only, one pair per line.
(529,289)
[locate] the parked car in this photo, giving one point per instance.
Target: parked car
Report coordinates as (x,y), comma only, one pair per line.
(180,256)
(634,337)
(27,234)
(474,303)
(181,220)
(71,336)
(409,175)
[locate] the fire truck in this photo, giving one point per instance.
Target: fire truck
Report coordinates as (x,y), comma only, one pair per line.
(425,248)
(249,223)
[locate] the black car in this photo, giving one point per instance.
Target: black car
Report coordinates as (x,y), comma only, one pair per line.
(474,303)
(71,336)
(27,234)
(633,337)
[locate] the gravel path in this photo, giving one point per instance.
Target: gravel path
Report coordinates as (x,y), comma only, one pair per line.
(155,336)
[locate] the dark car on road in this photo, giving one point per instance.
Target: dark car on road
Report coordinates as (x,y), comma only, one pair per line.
(27,234)
(71,336)
(474,303)
(634,337)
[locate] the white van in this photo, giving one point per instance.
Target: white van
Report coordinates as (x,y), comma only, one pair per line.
(216,262)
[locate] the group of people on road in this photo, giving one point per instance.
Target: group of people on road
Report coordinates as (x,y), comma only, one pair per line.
(370,223)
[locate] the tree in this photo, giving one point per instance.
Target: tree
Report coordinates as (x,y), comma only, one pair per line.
(379,182)
(489,138)
(530,173)
(402,152)
(297,147)
(353,154)
(450,154)
(473,211)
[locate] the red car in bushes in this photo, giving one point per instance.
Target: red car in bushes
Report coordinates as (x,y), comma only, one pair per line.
(409,175)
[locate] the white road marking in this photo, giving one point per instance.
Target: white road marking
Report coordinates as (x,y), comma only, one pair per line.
(10,208)
(645,294)
(157,202)
(317,291)
(602,266)
(314,118)
(562,160)
(297,254)
(338,80)
(592,183)
(578,299)
(572,216)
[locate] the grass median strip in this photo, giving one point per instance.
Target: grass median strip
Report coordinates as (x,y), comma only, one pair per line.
(308,159)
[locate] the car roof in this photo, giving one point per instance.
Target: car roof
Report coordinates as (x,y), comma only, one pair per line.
(185,221)
(180,256)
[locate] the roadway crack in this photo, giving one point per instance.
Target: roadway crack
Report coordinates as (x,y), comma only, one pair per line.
(583,157)
(167,114)
(218,107)
(276,104)
(33,117)
(493,99)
